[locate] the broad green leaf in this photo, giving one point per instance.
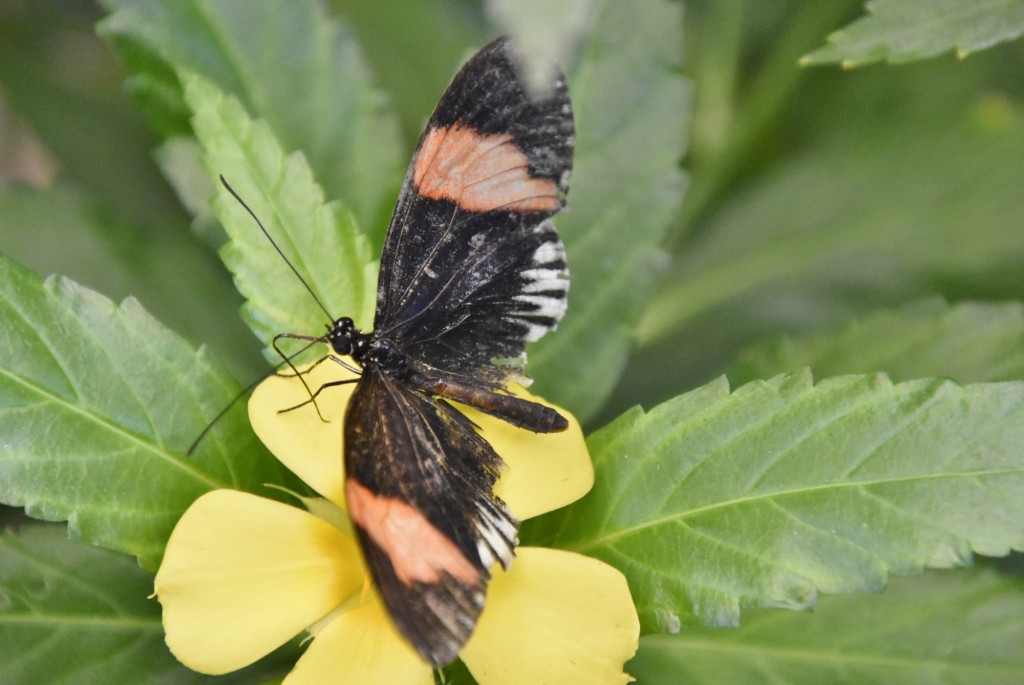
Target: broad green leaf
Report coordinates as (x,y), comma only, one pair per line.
(320,239)
(290,64)
(904,30)
(943,627)
(631,106)
(765,496)
(98,403)
(78,614)
(968,342)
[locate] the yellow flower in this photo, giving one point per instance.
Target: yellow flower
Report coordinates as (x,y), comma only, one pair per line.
(243,574)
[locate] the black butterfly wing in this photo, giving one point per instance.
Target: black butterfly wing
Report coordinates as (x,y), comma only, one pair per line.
(472,269)
(419,487)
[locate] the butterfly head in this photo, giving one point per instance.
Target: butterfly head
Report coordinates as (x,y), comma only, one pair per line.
(344,338)
(369,350)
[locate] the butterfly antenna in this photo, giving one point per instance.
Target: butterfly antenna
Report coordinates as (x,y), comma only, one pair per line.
(222,412)
(278,248)
(220,415)
(247,389)
(285,359)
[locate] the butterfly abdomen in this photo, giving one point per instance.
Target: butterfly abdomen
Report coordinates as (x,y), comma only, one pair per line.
(517,411)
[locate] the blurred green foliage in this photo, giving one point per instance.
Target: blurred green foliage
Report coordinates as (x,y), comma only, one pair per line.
(732,212)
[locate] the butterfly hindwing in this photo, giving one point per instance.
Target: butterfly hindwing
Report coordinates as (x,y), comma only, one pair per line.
(429,552)
(472,269)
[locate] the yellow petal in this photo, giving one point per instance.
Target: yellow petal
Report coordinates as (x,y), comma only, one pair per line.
(360,646)
(546,471)
(242,575)
(308,447)
(555,618)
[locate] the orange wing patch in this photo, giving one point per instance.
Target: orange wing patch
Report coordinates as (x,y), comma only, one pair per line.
(480,173)
(418,551)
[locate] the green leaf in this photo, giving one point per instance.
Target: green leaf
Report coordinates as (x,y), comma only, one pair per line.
(153,84)
(78,614)
(968,342)
(98,402)
(290,64)
(766,496)
(631,106)
(321,239)
(944,627)
(905,30)
(454,674)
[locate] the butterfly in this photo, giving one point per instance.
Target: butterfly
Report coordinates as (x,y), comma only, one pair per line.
(471,271)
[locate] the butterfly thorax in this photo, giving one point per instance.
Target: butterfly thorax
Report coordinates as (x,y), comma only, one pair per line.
(368,350)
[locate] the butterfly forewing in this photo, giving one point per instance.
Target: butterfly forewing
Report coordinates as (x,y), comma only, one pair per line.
(472,270)
(430,552)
